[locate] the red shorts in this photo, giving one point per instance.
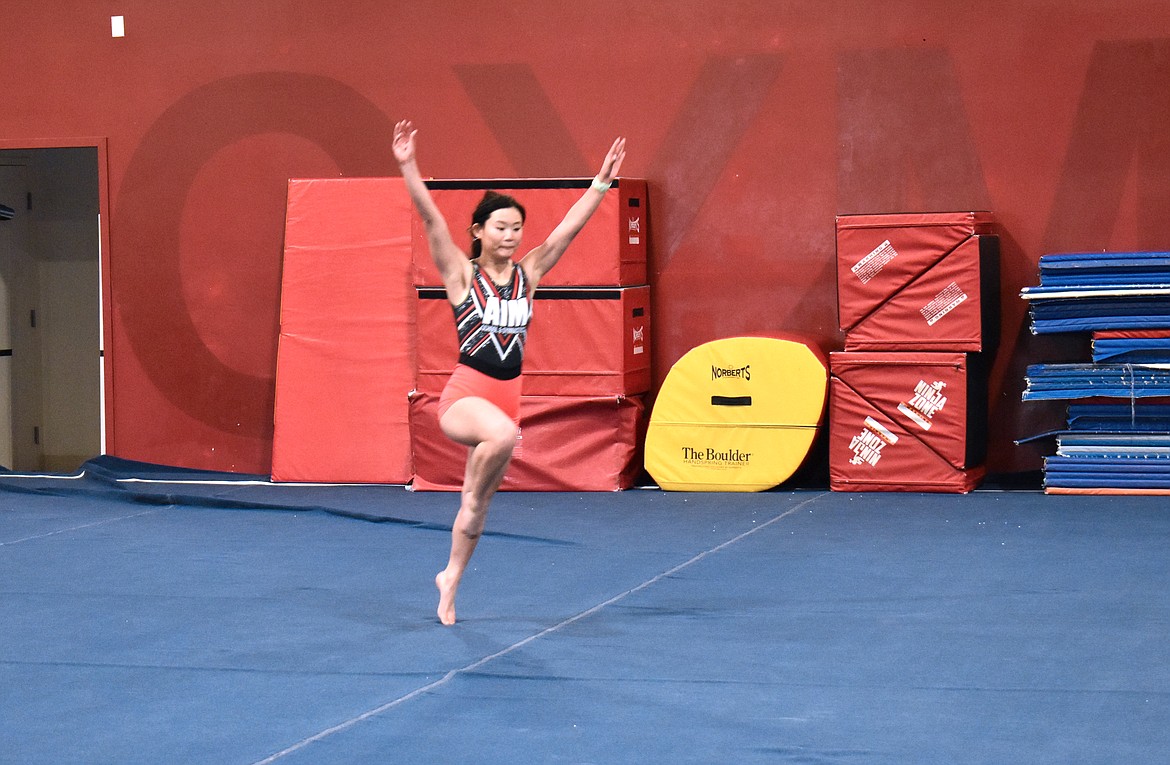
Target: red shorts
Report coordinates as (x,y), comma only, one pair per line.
(466,382)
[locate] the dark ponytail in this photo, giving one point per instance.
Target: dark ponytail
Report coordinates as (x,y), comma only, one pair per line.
(491,202)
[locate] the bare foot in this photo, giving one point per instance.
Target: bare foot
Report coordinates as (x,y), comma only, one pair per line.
(447,589)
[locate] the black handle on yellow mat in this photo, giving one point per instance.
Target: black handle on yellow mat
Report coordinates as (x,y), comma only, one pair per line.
(731,401)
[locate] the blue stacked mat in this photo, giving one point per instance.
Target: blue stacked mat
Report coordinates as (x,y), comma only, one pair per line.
(1112,446)
(1131,350)
(1096,269)
(1118,418)
(1087,291)
(1119,472)
(1073,381)
(1123,447)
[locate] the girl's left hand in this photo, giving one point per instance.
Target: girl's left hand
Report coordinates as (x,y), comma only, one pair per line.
(613,161)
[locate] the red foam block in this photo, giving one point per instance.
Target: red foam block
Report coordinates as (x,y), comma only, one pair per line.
(952,306)
(581,342)
(869,451)
(569,443)
(609,251)
(878,255)
(938,398)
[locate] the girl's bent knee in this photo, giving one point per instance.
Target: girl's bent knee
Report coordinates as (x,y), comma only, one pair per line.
(504,437)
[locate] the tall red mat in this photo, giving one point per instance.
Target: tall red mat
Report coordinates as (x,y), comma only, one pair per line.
(344,363)
(879,255)
(568,443)
(583,342)
(609,251)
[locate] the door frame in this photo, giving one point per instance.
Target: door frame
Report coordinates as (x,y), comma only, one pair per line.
(106,349)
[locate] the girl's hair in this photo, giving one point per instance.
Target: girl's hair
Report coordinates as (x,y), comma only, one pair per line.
(491,202)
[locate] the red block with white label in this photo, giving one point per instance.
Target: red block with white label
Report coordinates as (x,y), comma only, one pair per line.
(567,443)
(907,421)
(581,342)
(609,251)
(895,274)
(953,306)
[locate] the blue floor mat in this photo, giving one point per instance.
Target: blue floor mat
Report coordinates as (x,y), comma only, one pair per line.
(638,626)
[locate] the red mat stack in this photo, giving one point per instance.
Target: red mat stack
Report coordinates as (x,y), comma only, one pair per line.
(918,302)
(587,362)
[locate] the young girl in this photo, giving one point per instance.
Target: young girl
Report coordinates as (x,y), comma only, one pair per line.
(491,293)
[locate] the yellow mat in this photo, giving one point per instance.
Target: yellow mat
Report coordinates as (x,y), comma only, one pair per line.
(737,414)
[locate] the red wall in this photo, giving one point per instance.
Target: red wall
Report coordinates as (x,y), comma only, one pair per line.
(755,123)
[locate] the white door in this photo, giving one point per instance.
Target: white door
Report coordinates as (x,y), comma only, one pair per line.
(50,325)
(14,246)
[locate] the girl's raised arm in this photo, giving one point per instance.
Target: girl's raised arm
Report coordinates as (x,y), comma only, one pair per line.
(453,265)
(538,262)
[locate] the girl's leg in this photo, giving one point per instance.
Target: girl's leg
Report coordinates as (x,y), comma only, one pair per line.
(490,436)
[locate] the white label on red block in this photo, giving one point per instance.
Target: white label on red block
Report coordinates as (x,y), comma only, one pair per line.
(946,301)
(871,265)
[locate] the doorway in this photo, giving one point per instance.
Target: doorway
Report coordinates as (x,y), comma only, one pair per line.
(51,366)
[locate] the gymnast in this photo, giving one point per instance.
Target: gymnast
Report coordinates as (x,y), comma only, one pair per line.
(491,294)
